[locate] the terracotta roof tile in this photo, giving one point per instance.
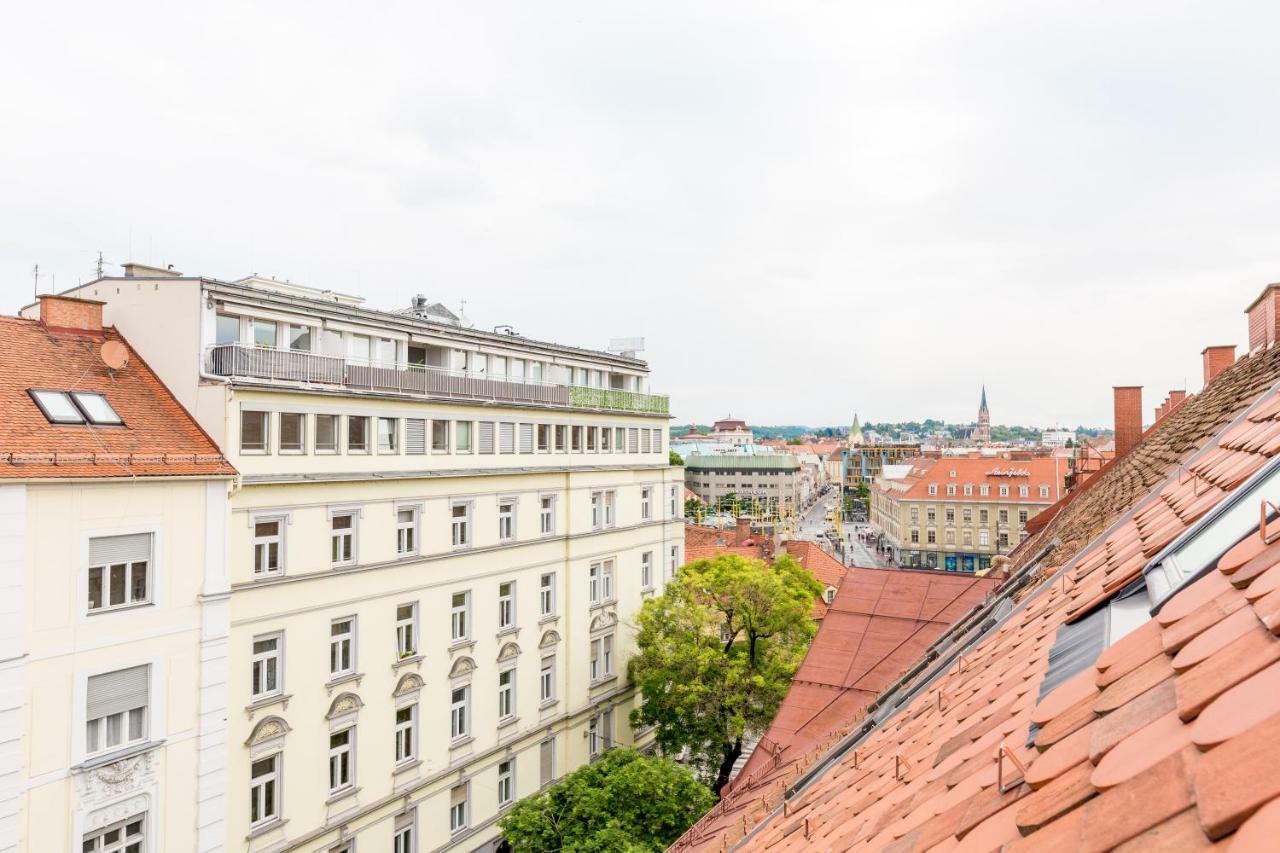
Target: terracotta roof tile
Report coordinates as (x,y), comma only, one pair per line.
(1128,765)
(158,438)
(1259,832)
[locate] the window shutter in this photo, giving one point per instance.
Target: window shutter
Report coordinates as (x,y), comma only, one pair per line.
(486,436)
(104,550)
(415,435)
(546,755)
(644,441)
(632,440)
(526,438)
(507,438)
(457,795)
(114,692)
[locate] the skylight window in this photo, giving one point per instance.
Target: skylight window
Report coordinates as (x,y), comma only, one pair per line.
(75,407)
(96,407)
(57,407)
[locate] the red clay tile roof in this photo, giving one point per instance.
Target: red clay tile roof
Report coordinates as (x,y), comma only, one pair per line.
(978,471)
(159,437)
(881,621)
(1168,741)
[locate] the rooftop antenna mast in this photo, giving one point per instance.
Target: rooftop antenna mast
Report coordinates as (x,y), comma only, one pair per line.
(99,264)
(35,283)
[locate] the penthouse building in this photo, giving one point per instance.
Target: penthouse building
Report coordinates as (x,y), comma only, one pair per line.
(435,543)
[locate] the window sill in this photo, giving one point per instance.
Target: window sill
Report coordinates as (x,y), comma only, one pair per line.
(257,705)
(504,722)
(458,743)
(119,755)
(599,605)
(119,608)
(461,645)
(511,630)
(405,766)
(548,703)
(406,661)
(340,680)
(339,796)
(264,828)
(548,619)
(600,682)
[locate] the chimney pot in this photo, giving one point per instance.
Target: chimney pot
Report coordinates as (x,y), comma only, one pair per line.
(65,312)
(1128,412)
(1263,318)
(1216,360)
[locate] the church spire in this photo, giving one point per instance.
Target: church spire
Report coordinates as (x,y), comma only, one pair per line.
(855,432)
(983,406)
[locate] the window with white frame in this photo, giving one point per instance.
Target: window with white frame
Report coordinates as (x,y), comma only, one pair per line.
(561,431)
(124,836)
(600,577)
(606,439)
(357,434)
(402,840)
(506,782)
(268,666)
(1044,491)
(462,437)
(593,736)
(547,595)
(406,733)
(674,561)
(326,433)
(460,522)
(264,790)
(506,437)
(546,762)
(547,680)
(415,436)
(506,605)
(646,504)
(460,711)
(672,508)
(933,488)
(119,571)
(116,709)
(547,515)
(1023,491)
(506,693)
(984,490)
(610,498)
(255,429)
(1004,491)
(984,536)
(597,510)
(544,438)
(341,758)
(406,531)
(342,646)
(575,439)
(458,808)
(406,630)
(293,432)
(388,435)
(460,617)
(268,547)
(602,657)
(485,437)
(440,436)
(646,570)
(342,533)
(506,519)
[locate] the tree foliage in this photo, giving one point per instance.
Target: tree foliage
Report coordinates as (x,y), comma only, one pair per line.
(692,506)
(716,652)
(673,458)
(625,801)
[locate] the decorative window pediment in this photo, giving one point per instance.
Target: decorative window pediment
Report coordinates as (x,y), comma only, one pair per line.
(462,666)
(343,704)
(407,685)
(268,728)
(509,651)
(549,639)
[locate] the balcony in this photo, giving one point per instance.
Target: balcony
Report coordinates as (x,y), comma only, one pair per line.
(243,361)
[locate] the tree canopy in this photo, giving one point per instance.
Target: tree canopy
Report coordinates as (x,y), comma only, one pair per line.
(716,652)
(625,801)
(673,458)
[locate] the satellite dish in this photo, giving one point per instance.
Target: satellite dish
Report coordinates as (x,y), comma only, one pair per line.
(115,355)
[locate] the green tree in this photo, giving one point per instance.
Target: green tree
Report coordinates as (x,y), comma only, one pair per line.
(716,652)
(692,507)
(864,494)
(794,441)
(625,801)
(673,458)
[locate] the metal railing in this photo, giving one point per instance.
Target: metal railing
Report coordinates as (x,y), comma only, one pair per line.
(246,361)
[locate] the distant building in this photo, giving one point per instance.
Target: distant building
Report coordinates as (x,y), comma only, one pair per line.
(957,513)
(1057,437)
(863,463)
(731,431)
(774,479)
(983,432)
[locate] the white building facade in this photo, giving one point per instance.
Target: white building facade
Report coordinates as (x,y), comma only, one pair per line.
(437,543)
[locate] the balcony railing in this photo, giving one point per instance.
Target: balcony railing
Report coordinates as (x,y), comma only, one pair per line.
(309,368)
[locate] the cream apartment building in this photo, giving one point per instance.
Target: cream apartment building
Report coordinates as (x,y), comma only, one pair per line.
(436,546)
(114,635)
(957,513)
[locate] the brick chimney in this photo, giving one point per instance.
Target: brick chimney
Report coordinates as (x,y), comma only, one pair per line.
(743,531)
(1216,360)
(1128,401)
(1264,318)
(1176,398)
(64,312)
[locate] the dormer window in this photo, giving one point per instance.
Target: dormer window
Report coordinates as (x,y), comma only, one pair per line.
(76,407)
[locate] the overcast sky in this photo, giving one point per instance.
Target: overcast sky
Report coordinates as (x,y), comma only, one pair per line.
(806,209)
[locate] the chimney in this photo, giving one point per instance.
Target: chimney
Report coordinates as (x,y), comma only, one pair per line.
(1159,412)
(1176,398)
(743,531)
(64,312)
(1128,402)
(1263,318)
(1216,360)
(135,270)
